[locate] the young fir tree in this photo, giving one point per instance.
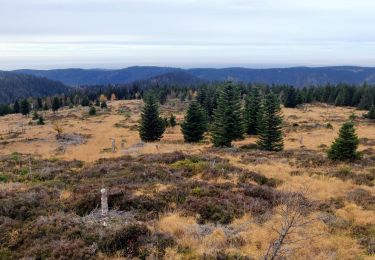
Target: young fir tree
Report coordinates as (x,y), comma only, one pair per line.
(195,123)
(16,107)
(25,107)
(270,136)
(252,106)
(39,104)
(152,125)
(371,113)
(40,120)
(172,121)
(103,104)
(55,104)
(228,121)
(92,111)
(290,99)
(346,144)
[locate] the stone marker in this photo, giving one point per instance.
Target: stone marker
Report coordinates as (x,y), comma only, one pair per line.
(104,201)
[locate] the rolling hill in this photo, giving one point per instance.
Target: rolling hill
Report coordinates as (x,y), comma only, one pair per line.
(14,86)
(298,76)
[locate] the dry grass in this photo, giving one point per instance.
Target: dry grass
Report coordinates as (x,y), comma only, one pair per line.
(305,129)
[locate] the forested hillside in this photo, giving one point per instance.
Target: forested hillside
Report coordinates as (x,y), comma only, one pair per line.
(298,76)
(14,86)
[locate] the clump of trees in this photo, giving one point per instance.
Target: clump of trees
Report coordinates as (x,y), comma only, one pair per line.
(152,126)
(346,144)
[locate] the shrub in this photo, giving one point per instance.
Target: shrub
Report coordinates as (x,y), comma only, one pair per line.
(130,241)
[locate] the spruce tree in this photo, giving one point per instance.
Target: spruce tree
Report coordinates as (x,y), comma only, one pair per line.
(152,125)
(103,105)
(172,121)
(252,106)
(195,123)
(228,121)
(92,111)
(25,107)
(16,107)
(371,113)
(290,98)
(39,103)
(270,136)
(55,104)
(346,144)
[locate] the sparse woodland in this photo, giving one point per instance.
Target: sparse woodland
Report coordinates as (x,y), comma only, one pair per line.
(237,172)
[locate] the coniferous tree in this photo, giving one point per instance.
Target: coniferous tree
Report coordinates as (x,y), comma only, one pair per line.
(25,107)
(152,125)
(270,136)
(39,104)
(290,98)
(228,121)
(346,144)
(371,113)
(252,106)
(40,120)
(55,104)
(16,107)
(195,123)
(92,111)
(172,121)
(103,105)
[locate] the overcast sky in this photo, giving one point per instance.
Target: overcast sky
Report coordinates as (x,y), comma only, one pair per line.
(185,33)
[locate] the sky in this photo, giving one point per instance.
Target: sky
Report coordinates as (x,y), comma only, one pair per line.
(46,34)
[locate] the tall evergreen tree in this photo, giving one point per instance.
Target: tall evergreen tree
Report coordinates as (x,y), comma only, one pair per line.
(25,107)
(290,99)
(252,106)
(172,120)
(55,104)
(228,121)
(39,104)
(16,107)
(346,144)
(152,125)
(371,113)
(270,136)
(195,123)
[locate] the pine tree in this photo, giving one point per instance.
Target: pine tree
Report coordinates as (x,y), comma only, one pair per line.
(345,146)
(25,107)
(290,98)
(40,120)
(172,121)
(16,107)
(103,104)
(55,104)
(39,103)
(195,123)
(152,125)
(228,121)
(92,111)
(252,106)
(371,113)
(270,136)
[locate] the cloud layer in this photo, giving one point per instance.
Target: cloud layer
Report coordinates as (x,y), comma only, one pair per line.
(187,33)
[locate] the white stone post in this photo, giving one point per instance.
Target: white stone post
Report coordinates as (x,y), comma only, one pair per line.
(104,201)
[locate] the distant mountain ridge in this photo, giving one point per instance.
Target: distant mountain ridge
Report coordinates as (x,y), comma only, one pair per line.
(15,86)
(297,76)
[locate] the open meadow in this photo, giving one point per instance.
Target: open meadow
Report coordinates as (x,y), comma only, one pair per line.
(174,200)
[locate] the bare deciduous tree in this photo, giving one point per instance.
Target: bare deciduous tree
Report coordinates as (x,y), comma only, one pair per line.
(295,218)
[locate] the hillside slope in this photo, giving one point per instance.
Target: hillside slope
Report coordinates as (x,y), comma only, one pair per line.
(14,86)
